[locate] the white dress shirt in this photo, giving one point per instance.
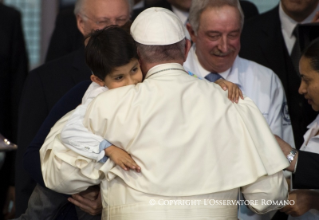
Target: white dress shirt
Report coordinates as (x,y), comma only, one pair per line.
(183,16)
(288,25)
(258,83)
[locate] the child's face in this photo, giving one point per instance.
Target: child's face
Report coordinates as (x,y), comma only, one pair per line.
(128,74)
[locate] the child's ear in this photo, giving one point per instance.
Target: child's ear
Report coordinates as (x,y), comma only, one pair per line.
(97,80)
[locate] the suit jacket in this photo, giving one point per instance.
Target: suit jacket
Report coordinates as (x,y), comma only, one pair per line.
(250,10)
(13,72)
(262,41)
(66,37)
(306,175)
(43,88)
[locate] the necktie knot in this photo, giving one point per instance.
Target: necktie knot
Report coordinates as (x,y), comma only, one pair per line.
(213,77)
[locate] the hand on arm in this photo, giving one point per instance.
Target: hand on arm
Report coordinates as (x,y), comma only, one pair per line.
(121,158)
(304,200)
(233,90)
(286,149)
(89,200)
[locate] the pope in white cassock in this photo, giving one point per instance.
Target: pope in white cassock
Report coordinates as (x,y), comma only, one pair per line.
(196,149)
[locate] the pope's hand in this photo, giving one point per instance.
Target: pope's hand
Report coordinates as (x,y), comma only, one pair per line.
(89,200)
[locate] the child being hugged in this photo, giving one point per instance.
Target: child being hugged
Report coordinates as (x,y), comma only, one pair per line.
(112,56)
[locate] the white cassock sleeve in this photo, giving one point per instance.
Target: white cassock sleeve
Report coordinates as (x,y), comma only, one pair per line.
(78,138)
(267,192)
(65,171)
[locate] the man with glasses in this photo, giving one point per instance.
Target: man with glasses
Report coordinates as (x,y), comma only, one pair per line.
(48,83)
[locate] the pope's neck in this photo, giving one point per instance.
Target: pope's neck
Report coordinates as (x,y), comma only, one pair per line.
(147,66)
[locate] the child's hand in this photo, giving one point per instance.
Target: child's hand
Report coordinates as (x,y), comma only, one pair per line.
(233,90)
(121,158)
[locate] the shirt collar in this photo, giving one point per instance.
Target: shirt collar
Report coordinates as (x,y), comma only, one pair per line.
(183,15)
(201,71)
(288,24)
(314,123)
(164,68)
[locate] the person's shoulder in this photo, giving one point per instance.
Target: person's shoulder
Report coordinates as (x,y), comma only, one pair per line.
(9,12)
(10,18)
(120,93)
(57,66)
(264,18)
(256,69)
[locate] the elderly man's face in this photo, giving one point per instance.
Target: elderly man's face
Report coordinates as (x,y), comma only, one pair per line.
(181,4)
(99,14)
(218,38)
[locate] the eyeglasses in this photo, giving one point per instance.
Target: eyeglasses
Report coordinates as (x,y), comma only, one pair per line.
(108,22)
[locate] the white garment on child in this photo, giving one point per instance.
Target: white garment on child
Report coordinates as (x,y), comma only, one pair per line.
(75,136)
(311,144)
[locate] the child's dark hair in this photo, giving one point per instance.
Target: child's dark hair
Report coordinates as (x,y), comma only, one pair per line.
(312,52)
(109,48)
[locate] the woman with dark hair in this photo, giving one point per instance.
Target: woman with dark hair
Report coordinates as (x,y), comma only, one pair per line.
(306,202)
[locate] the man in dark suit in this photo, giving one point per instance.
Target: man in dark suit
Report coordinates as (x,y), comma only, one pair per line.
(66,37)
(13,72)
(48,83)
(268,40)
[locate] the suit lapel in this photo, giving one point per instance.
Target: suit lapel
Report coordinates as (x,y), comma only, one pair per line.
(274,39)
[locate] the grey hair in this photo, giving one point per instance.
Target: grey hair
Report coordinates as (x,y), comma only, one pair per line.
(79,6)
(199,6)
(156,54)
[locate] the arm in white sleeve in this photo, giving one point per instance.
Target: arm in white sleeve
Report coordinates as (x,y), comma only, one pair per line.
(78,138)
(272,188)
(278,118)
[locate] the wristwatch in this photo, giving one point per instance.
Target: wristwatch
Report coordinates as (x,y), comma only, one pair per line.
(291,155)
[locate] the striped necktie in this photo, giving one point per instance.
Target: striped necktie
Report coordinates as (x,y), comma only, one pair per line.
(212,77)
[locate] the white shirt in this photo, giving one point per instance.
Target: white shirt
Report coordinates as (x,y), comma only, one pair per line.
(258,83)
(311,138)
(288,25)
(75,136)
(183,16)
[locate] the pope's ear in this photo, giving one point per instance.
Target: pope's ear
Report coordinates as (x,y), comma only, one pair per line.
(97,80)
